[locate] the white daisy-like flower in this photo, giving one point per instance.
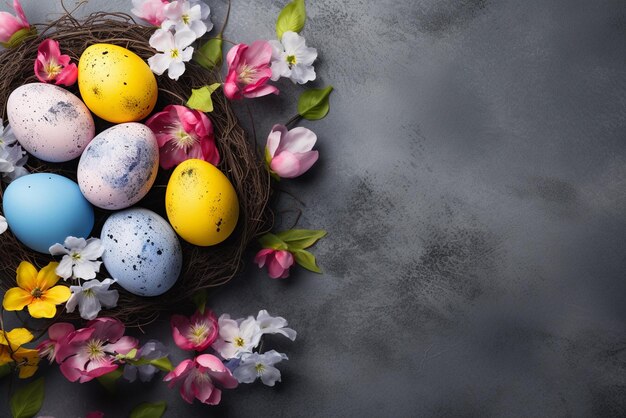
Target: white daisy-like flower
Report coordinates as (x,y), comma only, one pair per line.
(274,325)
(236,337)
(174,52)
(79,258)
(255,365)
(91,297)
(291,58)
(188,15)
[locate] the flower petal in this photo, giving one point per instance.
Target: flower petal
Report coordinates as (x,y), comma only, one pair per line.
(26,276)
(159,63)
(40,308)
(57,294)
(47,276)
(93,249)
(15,299)
(299,140)
(64,269)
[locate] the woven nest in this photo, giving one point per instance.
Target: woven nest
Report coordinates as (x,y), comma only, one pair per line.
(203,267)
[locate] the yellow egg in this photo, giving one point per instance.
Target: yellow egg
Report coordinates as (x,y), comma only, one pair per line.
(116,84)
(201,203)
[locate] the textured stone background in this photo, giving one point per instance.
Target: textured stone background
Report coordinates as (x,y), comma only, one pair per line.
(473,181)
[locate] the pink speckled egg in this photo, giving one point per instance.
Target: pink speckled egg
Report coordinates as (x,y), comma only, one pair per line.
(50,122)
(119,166)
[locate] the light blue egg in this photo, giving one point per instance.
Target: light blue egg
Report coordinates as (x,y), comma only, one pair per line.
(141,251)
(43,209)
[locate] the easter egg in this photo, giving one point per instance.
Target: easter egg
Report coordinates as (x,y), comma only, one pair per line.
(119,166)
(201,203)
(43,209)
(116,84)
(49,122)
(141,251)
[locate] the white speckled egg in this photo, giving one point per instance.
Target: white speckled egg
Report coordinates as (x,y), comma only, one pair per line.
(141,251)
(119,166)
(50,122)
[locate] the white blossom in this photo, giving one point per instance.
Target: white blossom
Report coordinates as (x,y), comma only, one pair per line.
(174,50)
(91,296)
(255,365)
(188,15)
(3,224)
(291,58)
(12,156)
(237,337)
(79,257)
(274,325)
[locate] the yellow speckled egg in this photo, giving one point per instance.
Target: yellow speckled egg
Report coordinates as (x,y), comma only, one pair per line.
(116,84)
(201,203)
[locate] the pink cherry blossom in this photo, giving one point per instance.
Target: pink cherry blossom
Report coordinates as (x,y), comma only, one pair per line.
(278,262)
(249,71)
(51,65)
(57,334)
(195,333)
(182,134)
(289,153)
(197,379)
(90,352)
(152,11)
(10,25)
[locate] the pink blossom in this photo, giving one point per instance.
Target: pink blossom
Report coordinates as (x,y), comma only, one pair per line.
(198,377)
(249,71)
(50,65)
(195,333)
(278,262)
(182,134)
(289,153)
(58,334)
(152,11)
(90,352)
(10,25)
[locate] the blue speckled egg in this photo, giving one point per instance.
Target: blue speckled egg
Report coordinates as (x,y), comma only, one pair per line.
(118,168)
(141,251)
(43,209)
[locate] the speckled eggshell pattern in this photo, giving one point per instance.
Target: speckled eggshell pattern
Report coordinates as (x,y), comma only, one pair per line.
(119,166)
(50,122)
(141,251)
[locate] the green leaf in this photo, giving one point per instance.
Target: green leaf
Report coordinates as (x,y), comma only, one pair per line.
(163,364)
(149,410)
(291,18)
(209,55)
(299,239)
(306,260)
(272,241)
(27,400)
(108,380)
(5,370)
(201,98)
(314,104)
(199,299)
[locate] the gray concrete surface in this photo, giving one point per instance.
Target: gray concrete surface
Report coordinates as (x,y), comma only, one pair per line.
(473,183)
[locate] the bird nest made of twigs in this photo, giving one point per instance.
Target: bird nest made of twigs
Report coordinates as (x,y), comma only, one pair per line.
(203,267)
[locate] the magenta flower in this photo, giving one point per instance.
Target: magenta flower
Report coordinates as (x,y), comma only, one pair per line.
(198,377)
(278,262)
(183,134)
(10,25)
(195,333)
(50,65)
(289,153)
(57,334)
(152,11)
(249,71)
(91,352)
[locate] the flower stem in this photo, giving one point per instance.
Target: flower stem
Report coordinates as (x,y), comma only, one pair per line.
(225,20)
(293,120)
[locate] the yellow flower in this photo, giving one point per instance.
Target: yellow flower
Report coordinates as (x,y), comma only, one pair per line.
(36,290)
(11,350)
